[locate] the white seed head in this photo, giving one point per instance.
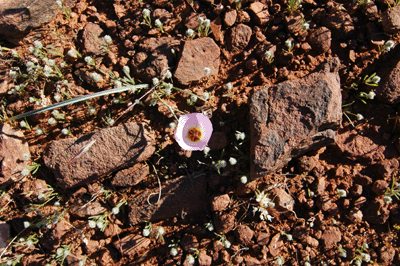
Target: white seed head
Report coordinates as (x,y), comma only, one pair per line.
(51,62)
(193,98)
(168,75)
(288,44)
(240,135)
(52,121)
(65,131)
(146,13)
(227,244)
(115,210)
(376,79)
(189,33)
(39,131)
(306,26)
(206,150)
(359,117)
(365,257)
(92,110)
(158,23)
(173,251)
(41,196)
(342,193)
(206,95)
(38,44)
(207,70)
(22,123)
(388,45)
(190,259)
(232,161)
(92,224)
(156,81)
(161,230)
(229,86)
(207,23)
(126,70)
(59,3)
(13,74)
(89,60)
(146,232)
(96,77)
(387,199)
(25,172)
(172,125)
(72,53)
(201,21)
(107,39)
(117,84)
(99,224)
(371,95)
(243,179)
(26,224)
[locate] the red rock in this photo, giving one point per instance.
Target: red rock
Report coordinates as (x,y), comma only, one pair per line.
(331,237)
(131,176)
(195,56)
(52,239)
(282,199)
(132,244)
(379,187)
(244,234)
(220,203)
(239,37)
(224,222)
(391,19)
(92,42)
(204,259)
(114,148)
(279,134)
(260,13)
(276,245)
(263,238)
(320,39)
(13,150)
(230,17)
(154,56)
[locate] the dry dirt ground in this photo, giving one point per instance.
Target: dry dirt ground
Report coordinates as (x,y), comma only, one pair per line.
(337,205)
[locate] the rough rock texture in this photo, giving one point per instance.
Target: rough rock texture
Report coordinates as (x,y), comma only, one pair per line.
(220,203)
(132,244)
(154,57)
(320,39)
(13,148)
(92,42)
(294,117)
(340,23)
(182,195)
(388,90)
(230,17)
(196,55)
(330,237)
(114,148)
(239,37)
(131,176)
(18,17)
(260,12)
(391,19)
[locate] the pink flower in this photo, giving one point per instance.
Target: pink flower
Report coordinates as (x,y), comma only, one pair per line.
(193,131)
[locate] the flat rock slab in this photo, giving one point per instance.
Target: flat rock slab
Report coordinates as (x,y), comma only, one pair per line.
(182,195)
(14,152)
(294,117)
(132,244)
(19,16)
(114,148)
(196,55)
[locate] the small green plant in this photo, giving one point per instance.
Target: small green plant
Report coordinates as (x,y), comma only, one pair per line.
(67,12)
(224,241)
(159,25)
(361,255)
(190,34)
(100,221)
(372,80)
(229,87)
(388,45)
(269,57)
(147,17)
(238,4)
(62,253)
(265,206)
(342,252)
(204,27)
(341,193)
(393,190)
(293,5)
(362,2)
(289,45)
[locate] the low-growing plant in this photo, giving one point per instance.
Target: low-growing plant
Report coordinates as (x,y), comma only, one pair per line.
(293,5)
(393,190)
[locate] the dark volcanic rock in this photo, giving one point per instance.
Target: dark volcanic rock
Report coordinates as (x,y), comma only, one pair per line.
(111,149)
(180,195)
(294,117)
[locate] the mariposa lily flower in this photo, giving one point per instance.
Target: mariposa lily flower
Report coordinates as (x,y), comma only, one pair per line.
(193,131)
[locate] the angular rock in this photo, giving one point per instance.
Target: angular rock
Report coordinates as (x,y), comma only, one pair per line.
(376,212)
(196,55)
(276,245)
(106,151)
(320,39)
(331,237)
(88,209)
(31,189)
(239,37)
(283,200)
(53,238)
(244,234)
(230,17)
(19,16)
(204,259)
(132,244)
(180,195)
(131,176)
(154,57)
(388,89)
(391,19)
(14,151)
(220,203)
(224,222)
(340,23)
(261,14)
(92,42)
(294,117)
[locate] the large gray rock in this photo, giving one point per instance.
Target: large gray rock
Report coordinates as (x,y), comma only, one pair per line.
(114,148)
(294,117)
(19,16)
(196,55)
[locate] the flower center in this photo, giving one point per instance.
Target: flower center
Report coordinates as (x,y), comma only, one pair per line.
(194,134)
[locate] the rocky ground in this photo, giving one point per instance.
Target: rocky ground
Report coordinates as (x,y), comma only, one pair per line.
(302,167)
